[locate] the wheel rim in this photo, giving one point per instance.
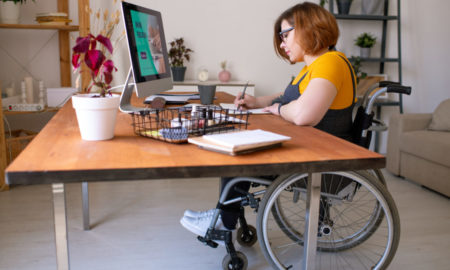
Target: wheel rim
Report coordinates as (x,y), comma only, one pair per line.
(360,242)
(328,242)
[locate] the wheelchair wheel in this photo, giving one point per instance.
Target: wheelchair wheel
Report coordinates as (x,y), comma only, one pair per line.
(335,190)
(359,227)
(227,263)
(247,239)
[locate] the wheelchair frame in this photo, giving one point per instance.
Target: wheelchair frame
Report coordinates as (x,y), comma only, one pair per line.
(372,180)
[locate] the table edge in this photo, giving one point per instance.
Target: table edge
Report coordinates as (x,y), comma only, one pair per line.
(127,174)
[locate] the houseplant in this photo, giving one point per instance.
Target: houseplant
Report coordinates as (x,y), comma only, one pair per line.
(224,75)
(10,11)
(356,65)
(177,54)
(365,41)
(344,6)
(96,112)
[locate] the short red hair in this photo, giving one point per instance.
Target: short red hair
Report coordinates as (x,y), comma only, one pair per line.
(315,28)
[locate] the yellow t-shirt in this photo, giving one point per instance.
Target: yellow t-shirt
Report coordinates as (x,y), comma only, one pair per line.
(332,67)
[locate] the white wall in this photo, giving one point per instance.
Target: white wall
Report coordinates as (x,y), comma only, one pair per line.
(233,30)
(241,32)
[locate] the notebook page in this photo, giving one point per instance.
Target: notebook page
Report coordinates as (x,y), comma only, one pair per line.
(247,137)
(231,106)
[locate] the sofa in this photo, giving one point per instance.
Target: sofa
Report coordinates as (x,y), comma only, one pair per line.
(418,148)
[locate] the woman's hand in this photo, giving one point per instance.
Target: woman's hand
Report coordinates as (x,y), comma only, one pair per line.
(248,102)
(272,108)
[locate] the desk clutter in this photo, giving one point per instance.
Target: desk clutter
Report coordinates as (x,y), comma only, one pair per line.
(176,125)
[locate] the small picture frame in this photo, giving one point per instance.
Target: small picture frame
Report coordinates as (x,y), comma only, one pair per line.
(367,82)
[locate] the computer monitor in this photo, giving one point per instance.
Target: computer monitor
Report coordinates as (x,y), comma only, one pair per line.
(147,49)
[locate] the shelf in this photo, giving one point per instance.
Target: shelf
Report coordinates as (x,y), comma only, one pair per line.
(364,17)
(47,109)
(377,60)
(42,27)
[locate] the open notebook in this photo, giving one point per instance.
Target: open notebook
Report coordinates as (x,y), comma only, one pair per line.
(232,107)
(239,142)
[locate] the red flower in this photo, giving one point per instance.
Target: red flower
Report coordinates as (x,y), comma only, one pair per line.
(85,50)
(105,42)
(76,60)
(94,60)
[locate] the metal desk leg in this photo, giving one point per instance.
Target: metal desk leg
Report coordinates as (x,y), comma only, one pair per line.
(59,212)
(312,219)
(85,202)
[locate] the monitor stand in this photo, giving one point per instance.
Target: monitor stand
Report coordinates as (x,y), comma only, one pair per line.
(125,99)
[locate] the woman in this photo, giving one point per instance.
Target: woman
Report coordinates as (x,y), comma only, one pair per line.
(322,95)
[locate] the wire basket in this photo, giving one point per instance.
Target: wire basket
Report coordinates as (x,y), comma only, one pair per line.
(176,125)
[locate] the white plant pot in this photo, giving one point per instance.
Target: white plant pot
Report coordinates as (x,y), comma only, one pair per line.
(9,12)
(365,52)
(96,116)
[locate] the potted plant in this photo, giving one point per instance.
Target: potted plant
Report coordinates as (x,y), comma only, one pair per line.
(344,6)
(356,65)
(177,54)
(365,41)
(224,75)
(10,11)
(96,112)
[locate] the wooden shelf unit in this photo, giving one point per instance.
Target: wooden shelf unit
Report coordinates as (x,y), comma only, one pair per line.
(64,60)
(41,27)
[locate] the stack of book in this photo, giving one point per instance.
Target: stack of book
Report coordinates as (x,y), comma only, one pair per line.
(240,142)
(53,18)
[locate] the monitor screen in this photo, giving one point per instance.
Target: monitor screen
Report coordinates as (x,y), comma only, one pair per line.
(147,49)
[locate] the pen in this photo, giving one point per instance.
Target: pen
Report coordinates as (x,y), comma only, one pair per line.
(243,95)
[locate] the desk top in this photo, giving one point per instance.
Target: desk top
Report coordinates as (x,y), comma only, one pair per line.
(59,155)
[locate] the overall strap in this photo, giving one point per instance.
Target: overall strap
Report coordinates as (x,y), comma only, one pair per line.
(353,76)
(301,79)
(290,93)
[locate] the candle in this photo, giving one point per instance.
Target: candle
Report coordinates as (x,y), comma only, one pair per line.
(29,89)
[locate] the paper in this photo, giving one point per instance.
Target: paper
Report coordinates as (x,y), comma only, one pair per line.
(232,107)
(245,138)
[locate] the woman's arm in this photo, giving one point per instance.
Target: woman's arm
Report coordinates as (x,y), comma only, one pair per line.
(310,108)
(251,102)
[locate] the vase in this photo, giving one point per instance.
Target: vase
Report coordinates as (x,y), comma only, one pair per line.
(365,52)
(178,73)
(344,6)
(372,7)
(224,76)
(96,115)
(9,12)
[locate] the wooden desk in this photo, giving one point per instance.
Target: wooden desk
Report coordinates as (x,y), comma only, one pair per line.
(57,155)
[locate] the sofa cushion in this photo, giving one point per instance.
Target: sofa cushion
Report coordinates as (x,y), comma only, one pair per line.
(441,117)
(431,145)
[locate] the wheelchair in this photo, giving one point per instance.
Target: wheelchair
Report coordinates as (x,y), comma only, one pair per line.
(359,225)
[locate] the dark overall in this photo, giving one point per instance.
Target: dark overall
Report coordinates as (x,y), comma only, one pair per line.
(335,122)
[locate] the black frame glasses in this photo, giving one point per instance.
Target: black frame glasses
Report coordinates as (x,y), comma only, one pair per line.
(284,34)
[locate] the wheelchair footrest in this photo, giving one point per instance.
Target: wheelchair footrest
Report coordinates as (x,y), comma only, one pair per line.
(207,242)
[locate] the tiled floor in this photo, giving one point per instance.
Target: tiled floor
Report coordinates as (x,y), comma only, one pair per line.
(135,225)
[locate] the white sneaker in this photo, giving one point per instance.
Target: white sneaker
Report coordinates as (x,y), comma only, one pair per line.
(199,226)
(198,214)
